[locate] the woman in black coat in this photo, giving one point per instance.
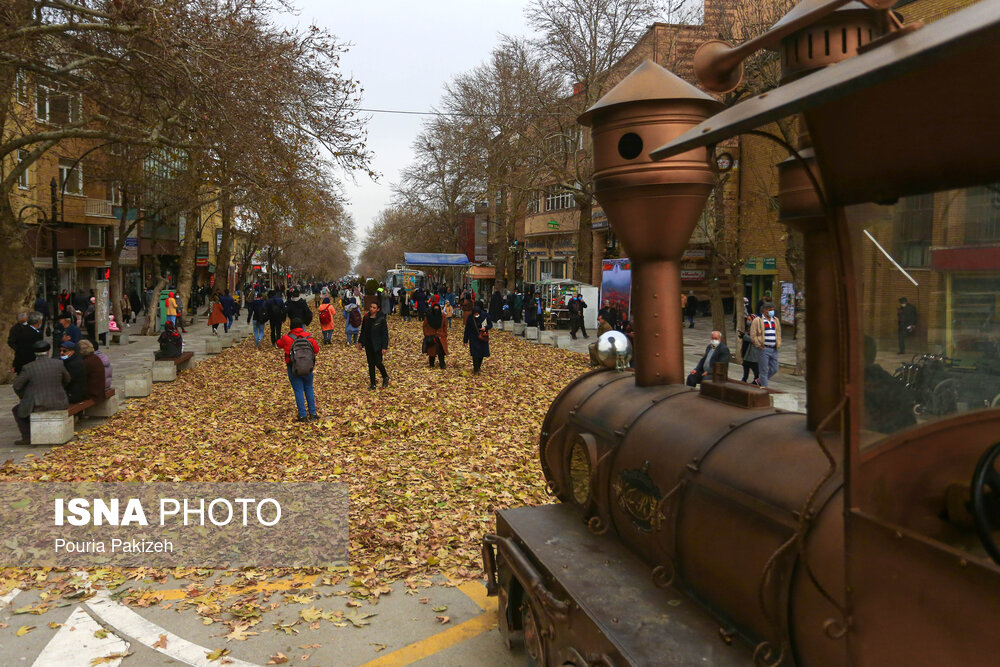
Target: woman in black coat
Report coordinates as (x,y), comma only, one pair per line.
(496,306)
(478,323)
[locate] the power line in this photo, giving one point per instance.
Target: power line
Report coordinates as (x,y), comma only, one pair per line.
(448,113)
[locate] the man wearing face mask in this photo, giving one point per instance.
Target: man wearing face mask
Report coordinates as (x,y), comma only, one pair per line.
(77,387)
(716,353)
(765,335)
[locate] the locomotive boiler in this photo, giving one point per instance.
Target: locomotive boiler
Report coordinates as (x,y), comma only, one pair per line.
(707,527)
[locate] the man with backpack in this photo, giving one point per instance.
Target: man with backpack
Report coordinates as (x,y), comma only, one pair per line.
(298,309)
(353,325)
(300,359)
(276,313)
(258,314)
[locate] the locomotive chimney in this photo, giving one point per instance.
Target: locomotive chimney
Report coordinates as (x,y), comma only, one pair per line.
(652,207)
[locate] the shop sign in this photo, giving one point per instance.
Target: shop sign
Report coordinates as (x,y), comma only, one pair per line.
(750,263)
(691,275)
(130,253)
(770,263)
(695,253)
(201,261)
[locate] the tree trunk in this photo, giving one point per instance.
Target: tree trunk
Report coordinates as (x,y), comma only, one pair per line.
(149,327)
(185,274)
(715,302)
(585,241)
(224,254)
(17,280)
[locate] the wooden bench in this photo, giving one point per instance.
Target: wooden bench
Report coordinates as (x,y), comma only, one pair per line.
(165,370)
(119,337)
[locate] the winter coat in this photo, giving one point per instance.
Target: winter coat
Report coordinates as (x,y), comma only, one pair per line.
(76,390)
(440,335)
(95,377)
(721,356)
(22,339)
(374,333)
(40,386)
(171,345)
(757,333)
(496,306)
(218,315)
(324,307)
(298,309)
(477,347)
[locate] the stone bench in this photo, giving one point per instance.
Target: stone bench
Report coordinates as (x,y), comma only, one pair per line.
(226,340)
(549,338)
(119,337)
(165,370)
(55,427)
(139,384)
(530,333)
(519,328)
(213,345)
(109,406)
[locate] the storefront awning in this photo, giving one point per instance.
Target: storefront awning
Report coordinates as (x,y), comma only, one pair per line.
(435,259)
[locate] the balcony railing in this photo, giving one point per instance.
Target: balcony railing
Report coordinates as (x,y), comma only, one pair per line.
(100,208)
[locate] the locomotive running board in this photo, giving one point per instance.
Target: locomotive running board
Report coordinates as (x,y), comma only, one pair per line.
(591,601)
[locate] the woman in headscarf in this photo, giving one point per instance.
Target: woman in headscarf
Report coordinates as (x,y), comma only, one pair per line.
(326,320)
(496,306)
(218,316)
(435,342)
(477,336)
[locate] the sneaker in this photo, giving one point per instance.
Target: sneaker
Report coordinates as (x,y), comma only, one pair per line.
(302,419)
(314,418)
(22,443)
(371,387)
(385,383)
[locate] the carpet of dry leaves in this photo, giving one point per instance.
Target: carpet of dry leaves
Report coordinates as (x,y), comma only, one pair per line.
(428,460)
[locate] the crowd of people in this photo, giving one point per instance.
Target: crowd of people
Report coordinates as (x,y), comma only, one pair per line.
(43,382)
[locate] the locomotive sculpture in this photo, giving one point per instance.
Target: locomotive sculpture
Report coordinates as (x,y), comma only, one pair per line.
(704,526)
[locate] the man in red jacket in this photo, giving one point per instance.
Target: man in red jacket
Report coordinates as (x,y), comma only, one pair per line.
(300,366)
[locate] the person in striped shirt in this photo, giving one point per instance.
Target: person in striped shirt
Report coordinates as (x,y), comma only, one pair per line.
(765,335)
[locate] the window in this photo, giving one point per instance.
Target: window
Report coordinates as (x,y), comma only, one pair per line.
(913,224)
(553,269)
(71,177)
(96,236)
(52,106)
(983,214)
(533,203)
(114,194)
(558,199)
(21,87)
(24,180)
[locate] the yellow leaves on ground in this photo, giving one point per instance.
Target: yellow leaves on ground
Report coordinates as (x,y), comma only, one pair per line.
(428,460)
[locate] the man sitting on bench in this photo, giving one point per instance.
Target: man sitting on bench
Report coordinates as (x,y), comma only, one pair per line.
(40,387)
(77,387)
(94,367)
(171,343)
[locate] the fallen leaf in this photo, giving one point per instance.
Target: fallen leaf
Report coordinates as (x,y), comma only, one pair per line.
(217,654)
(109,658)
(25,629)
(443,619)
(161,642)
(278,659)
(101,634)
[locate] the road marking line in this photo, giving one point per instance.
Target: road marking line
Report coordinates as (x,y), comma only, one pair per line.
(75,645)
(9,597)
(476,592)
(439,642)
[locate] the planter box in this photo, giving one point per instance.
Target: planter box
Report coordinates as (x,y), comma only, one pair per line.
(54,427)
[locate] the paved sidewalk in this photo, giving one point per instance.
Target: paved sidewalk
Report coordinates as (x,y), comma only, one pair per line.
(695,340)
(131,358)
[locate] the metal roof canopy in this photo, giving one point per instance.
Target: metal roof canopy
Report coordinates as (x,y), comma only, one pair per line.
(435,259)
(870,116)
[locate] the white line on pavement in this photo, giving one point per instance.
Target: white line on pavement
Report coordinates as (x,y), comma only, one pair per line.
(75,644)
(9,597)
(148,633)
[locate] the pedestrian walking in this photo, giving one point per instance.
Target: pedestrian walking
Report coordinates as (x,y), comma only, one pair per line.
(228,309)
(691,308)
(477,336)
(180,313)
(906,322)
(404,306)
(22,338)
(40,386)
(352,321)
(276,315)
(496,306)
(374,338)
(300,361)
(171,307)
(765,335)
(750,356)
(126,308)
(257,313)
(218,316)
(326,320)
(448,311)
(603,326)
(435,342)
(90,319)
(136,302)
(298,309)
(576,306)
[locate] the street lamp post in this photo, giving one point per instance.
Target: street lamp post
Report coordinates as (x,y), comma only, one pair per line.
(53,188)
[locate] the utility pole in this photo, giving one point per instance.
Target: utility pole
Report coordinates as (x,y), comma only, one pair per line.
(53,189)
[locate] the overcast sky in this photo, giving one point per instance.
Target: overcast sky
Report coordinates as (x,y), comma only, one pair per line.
(403,53)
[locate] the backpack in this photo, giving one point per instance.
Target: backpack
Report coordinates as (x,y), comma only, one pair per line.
(260,313)
(354,319)
(301,355)
(325,317)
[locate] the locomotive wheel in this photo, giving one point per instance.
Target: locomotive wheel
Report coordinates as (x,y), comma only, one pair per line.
(532,638)
(985,493)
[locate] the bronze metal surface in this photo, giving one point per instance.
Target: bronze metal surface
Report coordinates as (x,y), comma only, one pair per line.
(617,613)
(652,206)
(963,45)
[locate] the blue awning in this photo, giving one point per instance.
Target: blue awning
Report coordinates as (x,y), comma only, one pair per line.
(436,259)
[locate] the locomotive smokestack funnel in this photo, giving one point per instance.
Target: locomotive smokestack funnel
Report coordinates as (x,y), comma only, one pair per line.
(653,207)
